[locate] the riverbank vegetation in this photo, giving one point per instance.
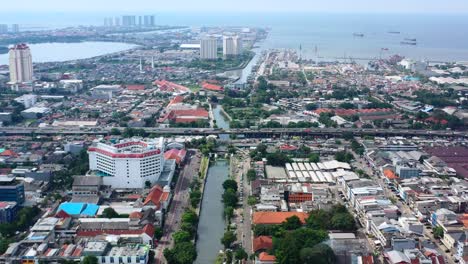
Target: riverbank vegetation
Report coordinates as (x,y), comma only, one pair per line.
(184,250)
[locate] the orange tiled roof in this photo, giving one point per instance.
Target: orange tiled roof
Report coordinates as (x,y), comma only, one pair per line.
(266,257)
(212,87)
(390,174)
(154,196)
(262,242)
(276,218)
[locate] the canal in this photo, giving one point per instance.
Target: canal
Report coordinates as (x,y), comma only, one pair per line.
(221,121)
(211,225)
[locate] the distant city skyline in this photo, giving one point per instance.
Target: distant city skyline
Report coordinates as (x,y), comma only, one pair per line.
(140,6)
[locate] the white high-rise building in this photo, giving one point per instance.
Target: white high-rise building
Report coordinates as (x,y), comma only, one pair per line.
(15,28)
(128,164)
(3,28)
(149,21)
(232,45)
(208,48)
(21,67)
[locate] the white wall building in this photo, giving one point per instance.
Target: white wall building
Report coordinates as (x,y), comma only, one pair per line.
(128,164)
(232,45)
(28,100)
(208,48)
(21,67)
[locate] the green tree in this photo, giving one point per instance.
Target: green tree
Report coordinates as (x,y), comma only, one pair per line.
(190,217)
(182,253)
(181,236)
(438,232)
(318,219)
(288,247)
(195,197)
(115,131)
(277,159)
(109,212)
(343,221)
(4,243)
(240,254)
(230,184)
(251,175)
(90,260)
(314,157)
(229,212)
(344,156)
(230,198)
(311,107)
(228,238)
(147,184)
(251,200)
(292,223)
(158,233)
(319,254)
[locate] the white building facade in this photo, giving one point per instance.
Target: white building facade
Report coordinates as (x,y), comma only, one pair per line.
(208,48)
(128,164)
(21,67)
(232,45)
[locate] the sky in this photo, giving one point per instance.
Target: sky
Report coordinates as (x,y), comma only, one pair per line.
(156,6)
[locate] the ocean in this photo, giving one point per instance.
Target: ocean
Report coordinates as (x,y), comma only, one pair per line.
(439,37)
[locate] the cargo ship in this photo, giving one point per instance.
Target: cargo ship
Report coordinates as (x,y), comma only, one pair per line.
(394,32)
(413,43)
(358,35)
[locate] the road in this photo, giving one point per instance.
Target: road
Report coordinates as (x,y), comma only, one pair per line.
(179,203)
(240,164)
(249,133)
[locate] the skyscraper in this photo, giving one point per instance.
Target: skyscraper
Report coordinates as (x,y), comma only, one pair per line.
(128,21)
(149,21)
(117,21)
(3,29)
(21,67)
(15,28)
(208,48)
(232,45)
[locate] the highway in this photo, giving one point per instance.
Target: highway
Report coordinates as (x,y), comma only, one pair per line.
(248,133)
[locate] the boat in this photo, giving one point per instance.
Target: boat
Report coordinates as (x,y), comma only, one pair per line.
(410,39)
(358,35)
(408,43)
(394,32)
(385,49)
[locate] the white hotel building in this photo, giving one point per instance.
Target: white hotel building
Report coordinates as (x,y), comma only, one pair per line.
(128,164)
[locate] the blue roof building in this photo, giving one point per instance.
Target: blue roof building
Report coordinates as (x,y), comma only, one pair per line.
(79,209)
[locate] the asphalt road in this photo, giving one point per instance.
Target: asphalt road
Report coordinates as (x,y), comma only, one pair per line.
(179,203)
(239,167)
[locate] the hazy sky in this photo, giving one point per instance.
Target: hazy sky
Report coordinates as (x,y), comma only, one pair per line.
(154,6)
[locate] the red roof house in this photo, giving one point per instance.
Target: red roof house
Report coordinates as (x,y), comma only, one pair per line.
(265,258)
(158,197)
(262,243)
(176,154)
(212,87)
(276,218)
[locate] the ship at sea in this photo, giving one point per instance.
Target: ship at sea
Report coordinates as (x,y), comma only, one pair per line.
(413,43)
(394,32)
(358,35)
(410,39)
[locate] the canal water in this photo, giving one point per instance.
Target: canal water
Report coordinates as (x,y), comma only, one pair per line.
(212,224)
(221,121)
